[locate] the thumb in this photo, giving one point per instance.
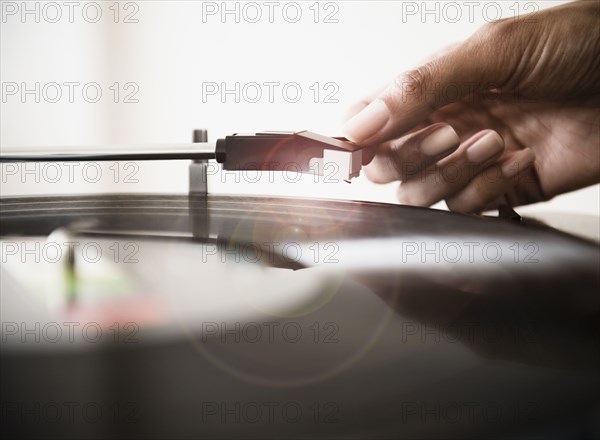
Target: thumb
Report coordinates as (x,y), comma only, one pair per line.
(415,94)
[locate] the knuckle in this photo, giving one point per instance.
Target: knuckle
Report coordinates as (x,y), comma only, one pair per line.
(409,85)
(416,79)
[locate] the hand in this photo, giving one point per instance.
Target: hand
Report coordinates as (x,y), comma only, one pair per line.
(510,114)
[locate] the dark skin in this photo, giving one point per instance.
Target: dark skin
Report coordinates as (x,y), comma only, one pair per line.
(531,84)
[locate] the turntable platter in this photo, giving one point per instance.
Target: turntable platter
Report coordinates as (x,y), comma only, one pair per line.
(258,317)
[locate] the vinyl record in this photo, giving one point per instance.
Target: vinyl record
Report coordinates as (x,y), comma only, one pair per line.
(162,316)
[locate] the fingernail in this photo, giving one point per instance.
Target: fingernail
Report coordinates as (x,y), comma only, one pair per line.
(440,141)
(485,148)
(366,123)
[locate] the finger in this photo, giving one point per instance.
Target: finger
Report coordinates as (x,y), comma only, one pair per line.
(413,95)
(401,158)
(454,172)
(486,190)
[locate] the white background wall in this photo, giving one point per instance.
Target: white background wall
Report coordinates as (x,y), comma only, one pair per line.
(174,48)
